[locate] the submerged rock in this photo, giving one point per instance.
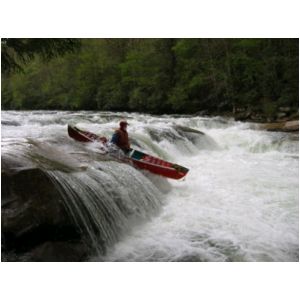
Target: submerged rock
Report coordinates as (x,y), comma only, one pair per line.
(10,123)
(176,134)
(188,129)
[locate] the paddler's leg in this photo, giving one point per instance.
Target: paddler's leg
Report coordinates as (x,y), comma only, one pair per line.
(126,151)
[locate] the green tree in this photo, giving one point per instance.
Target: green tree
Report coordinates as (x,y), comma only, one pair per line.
(151,75)
(17,52)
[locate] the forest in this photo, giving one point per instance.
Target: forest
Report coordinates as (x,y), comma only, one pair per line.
(208,76)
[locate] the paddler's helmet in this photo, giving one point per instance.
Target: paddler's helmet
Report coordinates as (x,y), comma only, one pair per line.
(123,123)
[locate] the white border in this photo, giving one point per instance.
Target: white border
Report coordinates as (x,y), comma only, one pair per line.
(150,281)
(138,18)
(150,18)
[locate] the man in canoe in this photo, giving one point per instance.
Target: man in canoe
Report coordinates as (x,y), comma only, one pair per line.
(120,137)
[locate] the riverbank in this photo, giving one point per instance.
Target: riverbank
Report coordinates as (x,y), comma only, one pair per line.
(285,119)
(288,126)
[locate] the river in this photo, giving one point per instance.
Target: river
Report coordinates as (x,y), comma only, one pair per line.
(239,201)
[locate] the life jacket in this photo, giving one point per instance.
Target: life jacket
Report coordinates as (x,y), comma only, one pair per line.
(122,141)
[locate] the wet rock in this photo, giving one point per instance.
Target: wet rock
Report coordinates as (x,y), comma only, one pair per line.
(10,123)
(183,132)
(289,126)
(188,129)
(201,113)
(259,118)
(29,199)
(32,214)
(242,116)
(285,109)
(281,115)
(193,135)
(159,135)
(58,252)
(272,126)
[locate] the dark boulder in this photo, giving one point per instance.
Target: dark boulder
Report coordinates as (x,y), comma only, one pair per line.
(58,252)
(29,199)
(33,213)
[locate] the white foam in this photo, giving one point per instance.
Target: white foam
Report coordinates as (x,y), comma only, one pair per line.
(238,202)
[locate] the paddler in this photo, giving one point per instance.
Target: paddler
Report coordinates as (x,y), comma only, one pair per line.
(120,137)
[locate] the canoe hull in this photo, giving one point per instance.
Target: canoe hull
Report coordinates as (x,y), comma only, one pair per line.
(84,136)
(159,170)
(139,159)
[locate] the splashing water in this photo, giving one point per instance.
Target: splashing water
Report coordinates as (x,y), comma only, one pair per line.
(239,202)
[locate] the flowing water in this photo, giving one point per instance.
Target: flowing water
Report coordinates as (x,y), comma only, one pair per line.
(239,201)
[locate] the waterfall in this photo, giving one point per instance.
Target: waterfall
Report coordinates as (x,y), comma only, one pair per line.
(102,205)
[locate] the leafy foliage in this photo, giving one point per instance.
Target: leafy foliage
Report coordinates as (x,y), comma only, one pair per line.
(15,52)
(151,75)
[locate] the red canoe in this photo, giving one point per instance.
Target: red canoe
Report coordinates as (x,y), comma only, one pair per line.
(141,160)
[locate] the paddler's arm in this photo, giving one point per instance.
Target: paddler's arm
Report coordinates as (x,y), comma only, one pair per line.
(115,138)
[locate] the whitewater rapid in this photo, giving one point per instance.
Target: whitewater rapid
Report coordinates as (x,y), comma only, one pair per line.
(239,201)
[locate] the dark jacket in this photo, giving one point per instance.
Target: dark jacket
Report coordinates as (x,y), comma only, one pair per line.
(120,138)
